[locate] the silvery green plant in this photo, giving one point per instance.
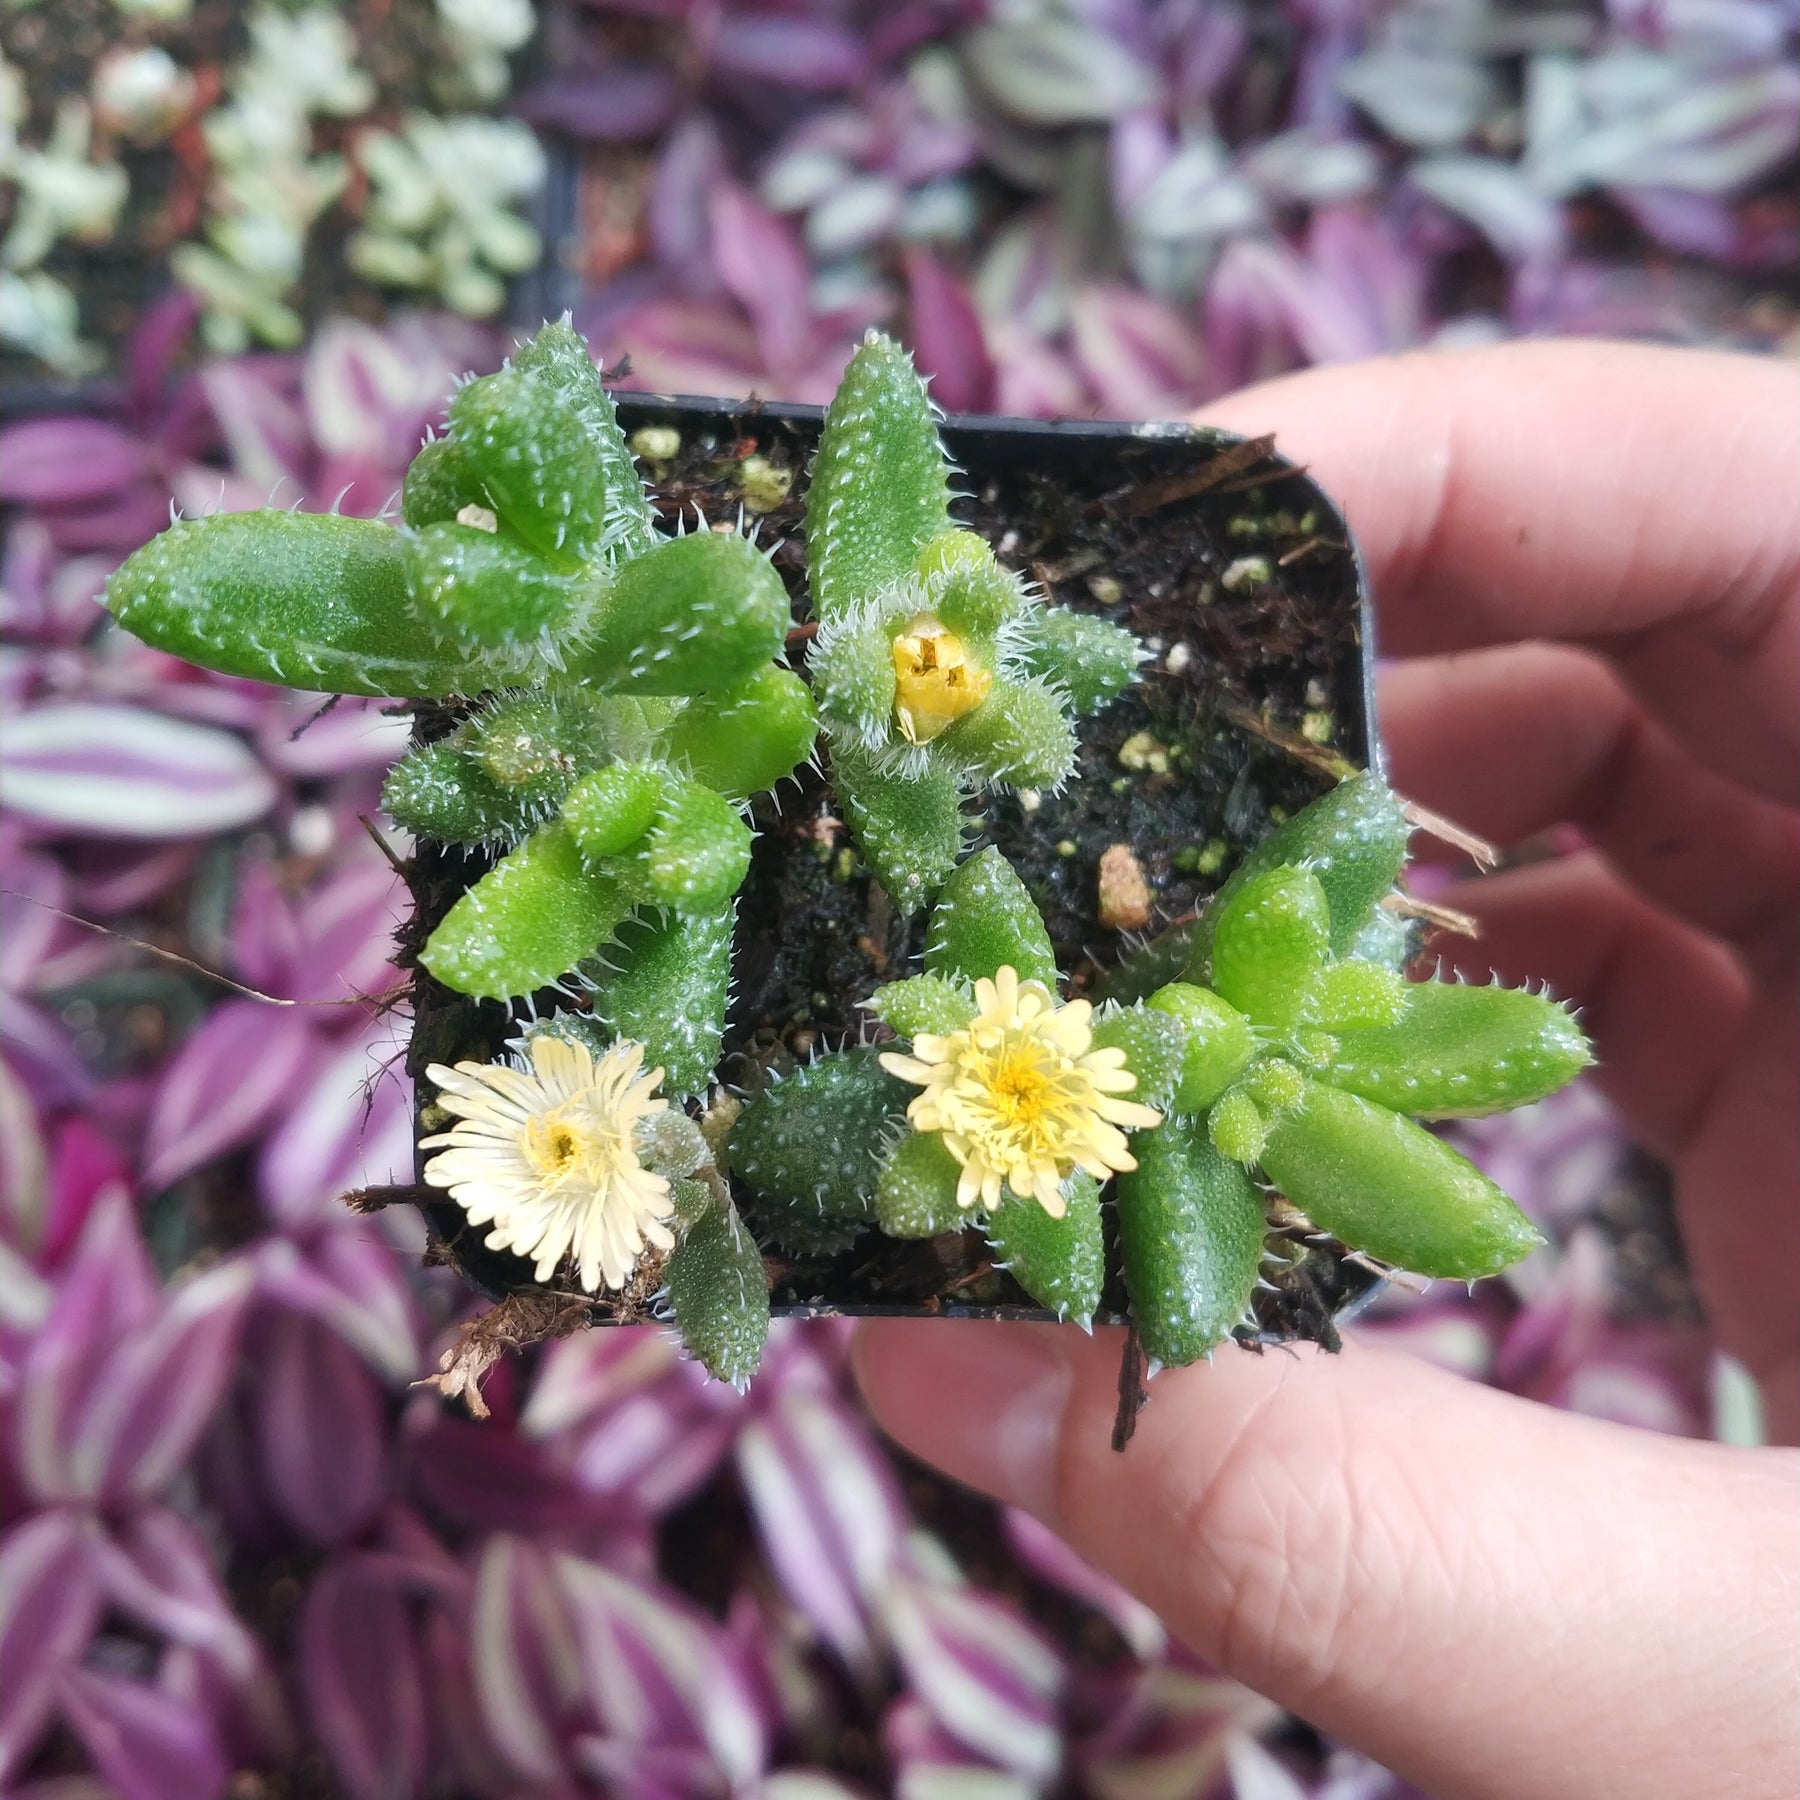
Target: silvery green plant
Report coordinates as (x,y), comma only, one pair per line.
(937,672)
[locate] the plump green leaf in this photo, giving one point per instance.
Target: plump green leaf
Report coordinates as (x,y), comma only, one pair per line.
(1155,1046)
(306,600)
(1091,660)
(1461,1052)
(909,827)
(1353,838)
(974,595)
(528,921)
(527,447)
(665,980)
(1270,944)
(741,740)
(1217,1043)
(441,791)
(1386,1186)
(1191,1236)
(810,1147)
(1354,995)
(1236,1126)
(983,921)
(915,1196)
(880,482)
(490,594)
(719,1295)
(1018,737)
(698,851)
(1060,1263)
(558,354)
(697,612)
(923,1003)
(611,809)
(438,485)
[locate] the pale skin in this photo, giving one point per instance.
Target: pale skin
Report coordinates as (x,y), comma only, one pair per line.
(1588,556)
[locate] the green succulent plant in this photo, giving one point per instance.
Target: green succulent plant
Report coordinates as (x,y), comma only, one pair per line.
(612,698)
(937,672)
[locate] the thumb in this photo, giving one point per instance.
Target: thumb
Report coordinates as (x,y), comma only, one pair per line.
(1492,1598)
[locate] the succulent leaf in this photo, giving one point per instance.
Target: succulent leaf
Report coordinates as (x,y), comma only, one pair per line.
(910,827)
(916,1194)
(1217,1043)
(1236,1127)
(698,851)
(440,791)
(719,1294)
(923,1003)
(1089,659)
(1155,1046)
(665,981)
(880,481)
(983,920)
(490,594)
(1060,1263)
(1353,838)
(1385,1186)
(1018,737)
(306,600)
(1270,944)
(810,1146)
(610,810)
(1353,995)
(439,484)
(1191,1229)
(527,447)
(974,595)
(558,354)
(696,612)
(1462,1052)
(741,740)
(528,921)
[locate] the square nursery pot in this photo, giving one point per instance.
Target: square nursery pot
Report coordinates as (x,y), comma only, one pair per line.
(1239,576)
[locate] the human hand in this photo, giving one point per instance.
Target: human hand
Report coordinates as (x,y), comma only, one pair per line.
(1589,556)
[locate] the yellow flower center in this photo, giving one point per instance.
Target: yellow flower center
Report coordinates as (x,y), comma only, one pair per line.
(570,1145)
(934,681)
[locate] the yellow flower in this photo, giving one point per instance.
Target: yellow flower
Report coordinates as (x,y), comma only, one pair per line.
(1020,1097)
(934,681)
(547,1157)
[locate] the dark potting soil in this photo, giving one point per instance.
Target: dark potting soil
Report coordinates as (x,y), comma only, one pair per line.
(1237,574)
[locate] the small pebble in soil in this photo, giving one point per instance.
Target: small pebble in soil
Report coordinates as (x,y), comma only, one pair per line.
(765,485)
(656,443)
(1246,573)
(1142,752)
(1124,892)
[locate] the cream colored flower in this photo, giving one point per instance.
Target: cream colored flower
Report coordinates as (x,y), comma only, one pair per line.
(548,1158)
(1020,1097)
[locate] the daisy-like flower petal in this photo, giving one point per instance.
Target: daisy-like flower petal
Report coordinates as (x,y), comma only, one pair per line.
(546,1156)
(1021,1097)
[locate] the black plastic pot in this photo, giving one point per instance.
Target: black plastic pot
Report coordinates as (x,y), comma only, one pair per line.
(1240,575)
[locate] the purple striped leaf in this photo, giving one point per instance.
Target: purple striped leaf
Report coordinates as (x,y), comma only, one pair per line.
(614,104)
(1495,197)
(1047,1556)
(140,1420)
(1143,361)
(351,1281)
(582,1378)
(994,1682)
(362,1681)
(265,431)
(946,336)
(814,54)
(50,1605)
(124,771)
(349,1125)
(658,1672)
(66,461)
(321,1428)
(657,1447)
(648,1771)
(492,1480)
(810,1784)
(301,740)
(930,1764)
(147,1743)
(237,1072)
(526,1658)
(828,1512)
(760,260)
(1166,1728)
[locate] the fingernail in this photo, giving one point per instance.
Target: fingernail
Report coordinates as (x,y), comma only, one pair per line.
(984,1403)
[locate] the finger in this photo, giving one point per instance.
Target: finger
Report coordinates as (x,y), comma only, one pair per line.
(1493,1599)
(1645,499)
(1662,1002)
(1512,740)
